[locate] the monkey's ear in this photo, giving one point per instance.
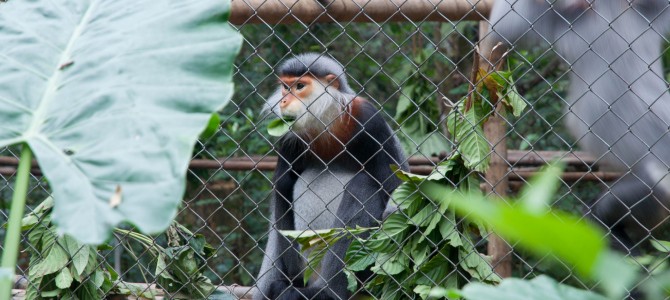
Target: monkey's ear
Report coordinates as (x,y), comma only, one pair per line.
(331,80)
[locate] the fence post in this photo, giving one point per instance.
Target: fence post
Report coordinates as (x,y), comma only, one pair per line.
(497,182)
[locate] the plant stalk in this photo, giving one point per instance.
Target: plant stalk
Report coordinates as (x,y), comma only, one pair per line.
(13,234)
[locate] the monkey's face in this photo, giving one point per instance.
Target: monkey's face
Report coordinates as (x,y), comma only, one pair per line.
(306,99)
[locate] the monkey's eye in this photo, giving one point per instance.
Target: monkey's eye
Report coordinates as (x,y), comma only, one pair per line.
(300,86)
(286,87)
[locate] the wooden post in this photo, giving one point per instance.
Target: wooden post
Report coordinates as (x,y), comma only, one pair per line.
(497,182)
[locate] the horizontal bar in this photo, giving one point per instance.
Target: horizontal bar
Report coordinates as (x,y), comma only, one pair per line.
(368,11)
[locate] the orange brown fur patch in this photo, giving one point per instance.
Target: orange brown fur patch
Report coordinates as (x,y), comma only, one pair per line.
(330,143)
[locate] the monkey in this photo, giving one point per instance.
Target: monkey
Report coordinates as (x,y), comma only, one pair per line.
(333,171)
(618,105)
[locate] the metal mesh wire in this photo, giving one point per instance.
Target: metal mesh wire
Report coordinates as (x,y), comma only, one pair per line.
(406,69)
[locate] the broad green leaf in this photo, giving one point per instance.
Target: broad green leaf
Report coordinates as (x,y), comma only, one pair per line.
(79,253)
(536,195)
(393,225)
(51,293)
(473,146)
(359,258)
(422,290)
(476,264)
(34,216)
(391,263)
(352,282)
(541,287)
(662,246)
(64,279)
(514,100)
(466,128)
(113,94)
(212,126)
(279,127)
(135,290)
(314,260)
(626,274)
(54,262)
(554,232)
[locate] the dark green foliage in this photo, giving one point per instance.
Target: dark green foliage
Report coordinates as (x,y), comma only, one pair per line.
(423,244)
(179,267)
(60,267)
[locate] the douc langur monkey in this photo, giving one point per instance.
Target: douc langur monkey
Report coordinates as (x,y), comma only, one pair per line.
(333,171)
(618,102)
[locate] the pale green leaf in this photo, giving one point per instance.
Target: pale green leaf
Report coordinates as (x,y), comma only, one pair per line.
(540,190)
(64,279)
(113,94)
(352,282)
(79,253)
(541,287)
(279,127)
(554,232)
(54,262)
(662,246)
(513,100)
(472,144)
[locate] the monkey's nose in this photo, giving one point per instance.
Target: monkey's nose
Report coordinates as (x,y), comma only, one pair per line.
(283,103)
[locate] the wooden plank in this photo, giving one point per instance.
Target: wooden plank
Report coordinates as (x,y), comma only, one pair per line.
(273,12)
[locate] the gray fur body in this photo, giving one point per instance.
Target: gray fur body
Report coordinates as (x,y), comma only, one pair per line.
(318,193)
(618,106)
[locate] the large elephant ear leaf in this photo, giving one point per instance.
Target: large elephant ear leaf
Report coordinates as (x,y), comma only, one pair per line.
(111,97)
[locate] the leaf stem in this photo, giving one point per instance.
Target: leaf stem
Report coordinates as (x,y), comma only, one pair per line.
(13,235)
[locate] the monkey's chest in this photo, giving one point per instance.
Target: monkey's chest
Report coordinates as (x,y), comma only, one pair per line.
(317,196)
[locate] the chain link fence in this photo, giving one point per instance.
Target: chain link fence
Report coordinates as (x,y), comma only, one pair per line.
(413,60)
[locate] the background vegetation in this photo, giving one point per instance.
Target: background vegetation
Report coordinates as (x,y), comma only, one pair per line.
(390,64)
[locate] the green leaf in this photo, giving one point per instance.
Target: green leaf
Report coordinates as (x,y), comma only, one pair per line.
(540,190)
(212,126)
(422,290)
(466,128)
(541,287)
(64,279)
(135,290)
(610,263)
(79,253)
(314,260)
(358,258)
(352,281)
(513,100)
(473,146)
(279,127)
(54,262)
(554,232)
(391,263)
(476,265)
(33,217)
(113,94)
(662,246)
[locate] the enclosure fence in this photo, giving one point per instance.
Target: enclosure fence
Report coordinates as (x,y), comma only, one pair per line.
(414,60)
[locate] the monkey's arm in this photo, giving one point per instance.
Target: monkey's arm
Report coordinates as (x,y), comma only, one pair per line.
(282,260)
(373,147)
